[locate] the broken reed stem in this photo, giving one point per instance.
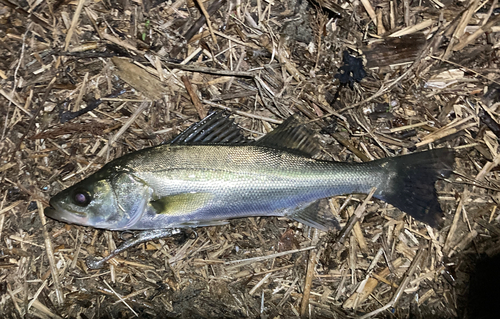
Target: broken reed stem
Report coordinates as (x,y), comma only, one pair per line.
(207,16)
(11,206)
(260,283)
(350,146)
(202,69)
(358,233)
(487,168)
(133,294)
(12,100)
(50,256)
(281,55)
(471,38)
(358,213)
(202,113)
(454,225)
(399,292)
(454,27)
(37,293)
(122,43)
(121,299)
(249,115)
(465,68)
(129,122)
(201,20)
(412,29)
(311,265)
(74,21)
(243,262)
(369,9)
(451,128)
(15,302)
(460,30)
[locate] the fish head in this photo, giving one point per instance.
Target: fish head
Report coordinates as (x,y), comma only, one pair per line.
(91,202)
(109,199)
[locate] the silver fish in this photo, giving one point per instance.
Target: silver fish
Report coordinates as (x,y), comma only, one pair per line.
(210,174)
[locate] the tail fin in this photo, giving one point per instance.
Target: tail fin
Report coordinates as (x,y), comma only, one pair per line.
(411,188)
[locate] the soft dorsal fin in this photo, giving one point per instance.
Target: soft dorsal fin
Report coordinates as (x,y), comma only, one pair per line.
(293,136)
(216,128)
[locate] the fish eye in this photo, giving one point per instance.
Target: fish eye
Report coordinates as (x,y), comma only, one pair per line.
(81,197)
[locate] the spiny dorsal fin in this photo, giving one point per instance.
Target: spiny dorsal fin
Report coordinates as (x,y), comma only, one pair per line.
(216,128)
(292,136)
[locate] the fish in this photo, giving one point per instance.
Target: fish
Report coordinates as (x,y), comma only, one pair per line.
(211,173)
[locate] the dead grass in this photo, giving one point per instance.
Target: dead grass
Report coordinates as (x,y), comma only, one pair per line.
(83,82)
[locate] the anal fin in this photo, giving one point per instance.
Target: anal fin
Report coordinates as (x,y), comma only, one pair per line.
(314,214)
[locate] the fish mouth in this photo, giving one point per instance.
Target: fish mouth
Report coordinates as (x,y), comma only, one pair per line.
(50,212)
(58,213)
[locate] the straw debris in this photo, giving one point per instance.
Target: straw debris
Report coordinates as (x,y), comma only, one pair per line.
(83,82)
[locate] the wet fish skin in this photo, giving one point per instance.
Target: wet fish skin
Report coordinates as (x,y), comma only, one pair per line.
(172,186)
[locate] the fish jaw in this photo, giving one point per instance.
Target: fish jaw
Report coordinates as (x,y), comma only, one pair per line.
(57,212)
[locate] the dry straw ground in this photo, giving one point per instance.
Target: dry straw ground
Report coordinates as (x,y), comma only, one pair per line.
(85,81)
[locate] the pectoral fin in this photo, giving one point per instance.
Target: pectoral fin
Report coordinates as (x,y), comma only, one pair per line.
(204,223)
(180,204)
(313,214)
